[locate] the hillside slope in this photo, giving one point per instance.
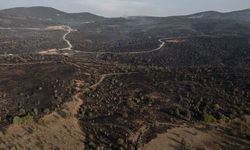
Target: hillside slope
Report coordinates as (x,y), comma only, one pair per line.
(52,15)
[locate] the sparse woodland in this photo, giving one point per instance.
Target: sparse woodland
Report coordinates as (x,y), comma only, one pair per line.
(124,96)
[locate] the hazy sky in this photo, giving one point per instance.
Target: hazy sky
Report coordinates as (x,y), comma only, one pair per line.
(133,7)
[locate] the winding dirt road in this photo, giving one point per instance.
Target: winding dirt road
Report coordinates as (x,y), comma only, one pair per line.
(132,53)
(69,30)
(163,42)
(104,76)
(54,131)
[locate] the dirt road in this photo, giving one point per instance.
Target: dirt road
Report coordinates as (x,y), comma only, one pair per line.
(68,30)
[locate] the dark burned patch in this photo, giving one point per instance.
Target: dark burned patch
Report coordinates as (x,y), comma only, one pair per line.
(34,89)
(29,41)
(134,108)
(194,51)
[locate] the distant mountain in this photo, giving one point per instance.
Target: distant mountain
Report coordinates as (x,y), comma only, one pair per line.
(243,15)
(203,23)
(52,15)
(207,14)
(9,20)
(56,16)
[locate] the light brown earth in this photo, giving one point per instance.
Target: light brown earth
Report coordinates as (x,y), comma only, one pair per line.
(197,137)
(54,131)
(174,138)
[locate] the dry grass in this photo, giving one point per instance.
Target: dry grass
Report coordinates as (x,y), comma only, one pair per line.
(52,132)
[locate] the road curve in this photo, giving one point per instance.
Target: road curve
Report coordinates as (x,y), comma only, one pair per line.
(132,53)
(163,42)
(104,76)
(69,30)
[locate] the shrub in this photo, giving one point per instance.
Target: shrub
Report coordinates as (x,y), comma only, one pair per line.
(64,114)
(216,107)
(23,120)
(35,111)
(120,141)
(188,115)
(17,120)
(125,115)
(209,118)
(46,111)
(223,118)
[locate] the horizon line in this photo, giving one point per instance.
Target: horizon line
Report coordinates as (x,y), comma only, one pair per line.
(129,15)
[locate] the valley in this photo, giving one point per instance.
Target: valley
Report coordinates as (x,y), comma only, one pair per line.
(81,81)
